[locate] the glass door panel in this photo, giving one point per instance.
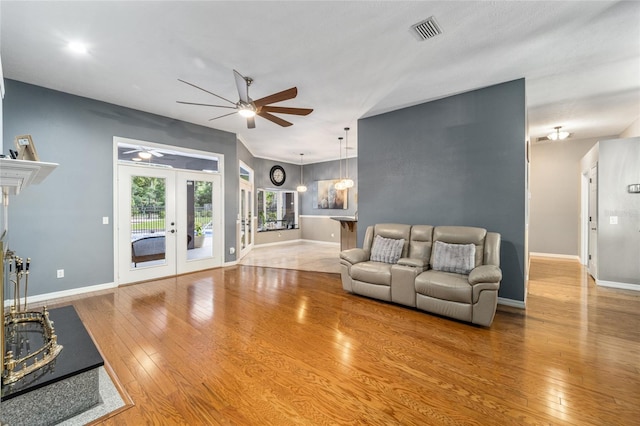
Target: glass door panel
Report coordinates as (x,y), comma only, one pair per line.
(147,223)
(246,217)
(200,216)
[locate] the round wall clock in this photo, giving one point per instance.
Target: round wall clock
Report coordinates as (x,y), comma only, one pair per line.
(277,175)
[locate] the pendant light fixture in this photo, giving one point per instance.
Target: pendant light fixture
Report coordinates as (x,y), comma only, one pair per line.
(340,185)
(348,183)
(301,187)
(558,135)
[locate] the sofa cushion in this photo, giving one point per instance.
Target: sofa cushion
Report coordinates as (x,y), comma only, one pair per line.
(387,250)
(462,235)
(372,272)
(444,286)
(457,258)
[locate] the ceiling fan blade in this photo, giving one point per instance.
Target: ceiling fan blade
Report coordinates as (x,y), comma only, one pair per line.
(242,86)
(209,105)
(273,118)
(251,122)
(215,118)
(132,151)
(285,110)
(156,153)
(277,97)
(205,90)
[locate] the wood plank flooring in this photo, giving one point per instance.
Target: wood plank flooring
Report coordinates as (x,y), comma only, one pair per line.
(249,345)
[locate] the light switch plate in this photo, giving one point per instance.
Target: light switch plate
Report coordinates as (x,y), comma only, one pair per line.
(105,220)
(613,220)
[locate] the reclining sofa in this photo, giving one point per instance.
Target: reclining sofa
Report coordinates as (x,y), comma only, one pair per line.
(452,271)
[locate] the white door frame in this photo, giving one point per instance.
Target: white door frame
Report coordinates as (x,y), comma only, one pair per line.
(181,150)
(185,265)
(247,186)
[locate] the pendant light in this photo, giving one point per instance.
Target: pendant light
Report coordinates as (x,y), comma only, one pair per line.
(301,187)
(340,185)
(558,135)
(348,183)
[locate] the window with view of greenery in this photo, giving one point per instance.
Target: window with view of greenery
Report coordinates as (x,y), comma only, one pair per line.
(277,210)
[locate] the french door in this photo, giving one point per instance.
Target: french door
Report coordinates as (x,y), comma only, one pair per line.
(246,218)
(169,222)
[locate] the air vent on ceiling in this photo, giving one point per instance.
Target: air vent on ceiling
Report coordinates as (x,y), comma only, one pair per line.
(426,29)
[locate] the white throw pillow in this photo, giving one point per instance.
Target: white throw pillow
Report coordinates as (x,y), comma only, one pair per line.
(458,258)
(387,250)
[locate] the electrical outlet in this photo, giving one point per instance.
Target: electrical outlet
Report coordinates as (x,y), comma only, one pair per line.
(232,250)
(60,273)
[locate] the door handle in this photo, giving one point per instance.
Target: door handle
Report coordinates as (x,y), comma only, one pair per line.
(173,231)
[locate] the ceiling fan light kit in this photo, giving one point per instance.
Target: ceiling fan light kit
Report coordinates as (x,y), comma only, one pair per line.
(249,108)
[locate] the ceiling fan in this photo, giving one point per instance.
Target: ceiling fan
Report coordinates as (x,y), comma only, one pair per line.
(249,108)
(145,152)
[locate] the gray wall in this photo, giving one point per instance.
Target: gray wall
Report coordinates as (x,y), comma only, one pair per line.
(619,245)
(329,170)
(454,161)
(555,186)
(59,222)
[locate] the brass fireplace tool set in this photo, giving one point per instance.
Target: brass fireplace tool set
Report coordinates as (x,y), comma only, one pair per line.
(19,358)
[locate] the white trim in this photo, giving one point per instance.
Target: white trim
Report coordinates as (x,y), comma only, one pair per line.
(313,216)
(63,293)
(510,302)
(614,284)
(557,256)
(299,240)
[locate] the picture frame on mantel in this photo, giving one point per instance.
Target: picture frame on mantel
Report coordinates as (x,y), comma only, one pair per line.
(26,148)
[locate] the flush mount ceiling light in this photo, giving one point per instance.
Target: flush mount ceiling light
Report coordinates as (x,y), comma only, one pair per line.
(144,155)
(77,47)
(558,135)
(301,187)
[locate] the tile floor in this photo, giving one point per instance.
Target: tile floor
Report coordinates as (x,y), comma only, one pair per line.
(300,255)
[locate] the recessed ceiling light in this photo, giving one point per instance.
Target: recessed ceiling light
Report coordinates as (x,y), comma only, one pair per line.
(77,47)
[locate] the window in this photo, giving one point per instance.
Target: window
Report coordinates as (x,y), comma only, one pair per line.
(277,210)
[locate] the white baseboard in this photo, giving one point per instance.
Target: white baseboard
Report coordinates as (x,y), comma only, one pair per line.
(63,293)
(510,302)
(623,286)
(557,256)
(299,240)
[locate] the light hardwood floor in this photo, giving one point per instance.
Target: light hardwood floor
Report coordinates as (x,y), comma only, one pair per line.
(256,345)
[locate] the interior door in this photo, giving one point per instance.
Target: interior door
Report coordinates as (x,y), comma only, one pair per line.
(593,222)
(146,223)
(169,222)
(246,217)
(200,216)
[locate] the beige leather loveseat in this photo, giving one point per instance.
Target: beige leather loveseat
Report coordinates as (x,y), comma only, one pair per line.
(447,270)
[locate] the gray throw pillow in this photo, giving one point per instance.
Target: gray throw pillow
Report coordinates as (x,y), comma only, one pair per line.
(387,250)
(458,258)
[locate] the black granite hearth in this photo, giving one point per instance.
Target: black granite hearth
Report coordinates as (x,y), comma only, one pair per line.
(66,386)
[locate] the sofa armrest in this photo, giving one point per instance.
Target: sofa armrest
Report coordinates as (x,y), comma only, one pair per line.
(416,263)
(354,255)
(485,274)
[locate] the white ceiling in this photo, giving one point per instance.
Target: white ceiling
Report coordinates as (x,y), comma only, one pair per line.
(581,60)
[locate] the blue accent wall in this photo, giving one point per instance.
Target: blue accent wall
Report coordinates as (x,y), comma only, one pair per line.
(454,161)
(58,223)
